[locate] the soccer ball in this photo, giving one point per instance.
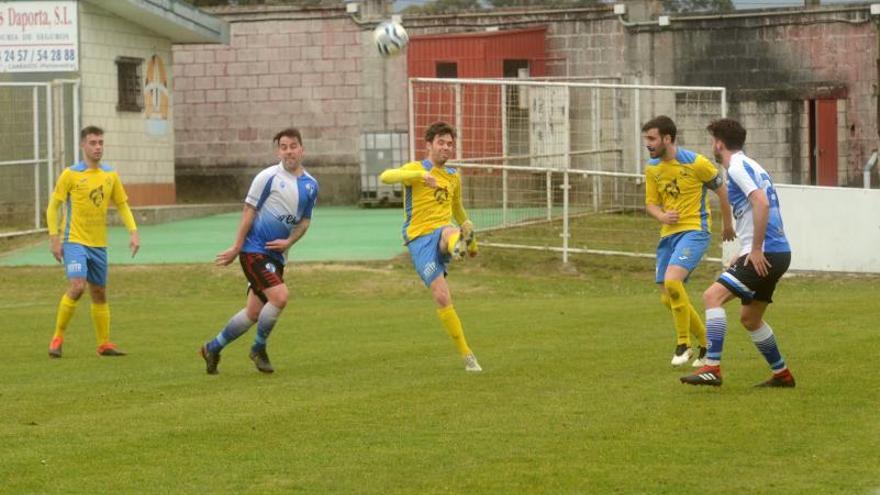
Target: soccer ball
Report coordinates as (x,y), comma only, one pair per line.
(390,38)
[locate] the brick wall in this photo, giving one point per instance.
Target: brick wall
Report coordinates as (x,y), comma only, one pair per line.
(145,162)
(280,70)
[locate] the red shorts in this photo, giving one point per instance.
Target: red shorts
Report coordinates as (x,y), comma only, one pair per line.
(261,272)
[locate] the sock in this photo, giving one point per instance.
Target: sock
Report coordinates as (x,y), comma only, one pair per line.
(101,320)
(679,303)
(66,308)
(765,341)
(716,328)
(697,328)
(265,324)
(452,325)
(664,299)
(234,329)
(453,239)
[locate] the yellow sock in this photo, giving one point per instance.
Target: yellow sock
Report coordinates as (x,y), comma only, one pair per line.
(450,244)
(680,304)
(101,320)
(697,327)
(66,308)
(452,325)
(665,300)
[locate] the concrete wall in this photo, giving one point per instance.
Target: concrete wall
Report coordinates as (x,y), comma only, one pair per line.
(771,65)
(145,162)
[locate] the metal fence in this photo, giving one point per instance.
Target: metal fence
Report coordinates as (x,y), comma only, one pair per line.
(37,138)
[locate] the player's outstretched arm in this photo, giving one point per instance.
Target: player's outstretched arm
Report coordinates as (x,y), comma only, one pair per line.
(247,220)
(402,175)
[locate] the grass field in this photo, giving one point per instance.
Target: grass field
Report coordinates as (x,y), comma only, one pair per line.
(369,396)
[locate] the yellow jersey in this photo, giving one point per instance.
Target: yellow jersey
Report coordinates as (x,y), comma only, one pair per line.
(86,193)
(680,184)
(426,209)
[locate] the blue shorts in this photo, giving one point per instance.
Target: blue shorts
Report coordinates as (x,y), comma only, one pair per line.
(86,262)
(684,249)
(427,258)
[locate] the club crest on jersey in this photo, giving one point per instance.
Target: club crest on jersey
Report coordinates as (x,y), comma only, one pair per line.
(441,195)
(97,195)
(671,188)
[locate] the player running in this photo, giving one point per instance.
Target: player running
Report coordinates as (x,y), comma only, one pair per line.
(277,213)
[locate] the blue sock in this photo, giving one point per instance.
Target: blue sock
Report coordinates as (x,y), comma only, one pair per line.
(765,341)
(236,327)
(716,328)
(266,322)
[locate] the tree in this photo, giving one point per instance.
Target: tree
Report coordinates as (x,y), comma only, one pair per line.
(688,6)
(555,4)
(444,7)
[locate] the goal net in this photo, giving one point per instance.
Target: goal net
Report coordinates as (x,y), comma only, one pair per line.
(559,165)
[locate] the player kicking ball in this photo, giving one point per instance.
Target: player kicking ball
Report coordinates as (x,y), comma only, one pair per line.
(432,196)
(763,259)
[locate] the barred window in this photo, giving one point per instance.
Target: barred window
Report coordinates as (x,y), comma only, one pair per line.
(131,95)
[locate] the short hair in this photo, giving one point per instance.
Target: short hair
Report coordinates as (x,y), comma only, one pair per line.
(664,125)
(90,129)
(728,131)
(438,129)
(291,132)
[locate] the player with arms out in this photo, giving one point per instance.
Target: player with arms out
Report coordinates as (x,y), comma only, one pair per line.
(763,258)
(432,196)
(86,190)
(676,182)
(277,213)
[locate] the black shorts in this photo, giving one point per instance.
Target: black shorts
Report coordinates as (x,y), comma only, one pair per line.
(744,281)
(261,272)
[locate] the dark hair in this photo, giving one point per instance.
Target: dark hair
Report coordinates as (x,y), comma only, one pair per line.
(438,129)
(664,125)
(291,132)
(90,129)
(729,132)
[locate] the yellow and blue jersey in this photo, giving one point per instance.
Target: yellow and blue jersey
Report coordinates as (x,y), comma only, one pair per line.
(426,209)
(86,193)
(680,184)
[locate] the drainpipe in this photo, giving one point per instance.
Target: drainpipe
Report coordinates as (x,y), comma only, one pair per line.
(866,173)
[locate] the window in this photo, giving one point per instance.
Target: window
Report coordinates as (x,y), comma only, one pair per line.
(131,95)
(447,69)
(514,69)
